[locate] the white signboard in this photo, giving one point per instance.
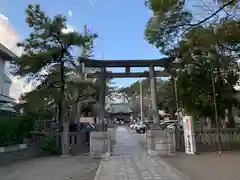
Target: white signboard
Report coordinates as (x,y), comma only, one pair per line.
(189,137)
(86,119)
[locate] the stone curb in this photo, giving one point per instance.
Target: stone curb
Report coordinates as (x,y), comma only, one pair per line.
(13,148)
(96,177)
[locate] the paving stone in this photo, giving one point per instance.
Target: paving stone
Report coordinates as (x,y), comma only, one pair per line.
(131,162)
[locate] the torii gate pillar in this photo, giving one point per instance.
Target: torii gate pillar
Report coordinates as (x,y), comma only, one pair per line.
(153,94)
(101,109)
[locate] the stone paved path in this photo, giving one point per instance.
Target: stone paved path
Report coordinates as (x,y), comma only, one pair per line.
(131,162)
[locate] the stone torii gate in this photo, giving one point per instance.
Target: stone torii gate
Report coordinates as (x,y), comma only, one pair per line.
(128,64)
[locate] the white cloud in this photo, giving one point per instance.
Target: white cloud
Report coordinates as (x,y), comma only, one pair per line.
(69,29)
(19,87)
(92,1)
(70,13)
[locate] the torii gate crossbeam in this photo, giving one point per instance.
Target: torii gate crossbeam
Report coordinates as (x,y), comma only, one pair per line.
(127,64)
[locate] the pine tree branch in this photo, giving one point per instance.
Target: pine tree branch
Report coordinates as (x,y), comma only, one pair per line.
(214,13)
(205,19)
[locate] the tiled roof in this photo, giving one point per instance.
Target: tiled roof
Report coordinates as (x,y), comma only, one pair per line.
(6,53)
(119,108)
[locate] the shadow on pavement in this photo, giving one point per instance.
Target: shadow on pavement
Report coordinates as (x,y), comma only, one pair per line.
(207,166)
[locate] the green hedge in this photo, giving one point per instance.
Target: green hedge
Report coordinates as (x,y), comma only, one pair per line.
(13,129)
(50,145)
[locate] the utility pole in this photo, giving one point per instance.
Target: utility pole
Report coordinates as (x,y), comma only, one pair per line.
(80,76)
(84,52)
(85,34)
(176,98)
(141,100)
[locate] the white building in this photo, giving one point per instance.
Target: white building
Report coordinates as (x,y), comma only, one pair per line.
(9,85)
(5,81)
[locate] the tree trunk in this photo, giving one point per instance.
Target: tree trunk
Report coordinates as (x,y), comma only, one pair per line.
(59,111)
(231,122)
(74,114)
(56,113)
(65,122)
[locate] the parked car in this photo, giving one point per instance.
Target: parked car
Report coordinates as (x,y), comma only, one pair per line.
(119,121)
(175,126)
(87,127)
(135,125)
(79,127)
(141,127)
(165,124)
(132,125)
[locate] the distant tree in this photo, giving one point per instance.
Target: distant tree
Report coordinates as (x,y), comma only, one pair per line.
(134,89)
(132,92)
(166,97)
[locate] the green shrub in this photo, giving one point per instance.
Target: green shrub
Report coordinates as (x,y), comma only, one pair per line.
(50,145)
(13,129)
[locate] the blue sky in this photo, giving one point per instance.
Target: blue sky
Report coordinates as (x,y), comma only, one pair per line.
(119,24)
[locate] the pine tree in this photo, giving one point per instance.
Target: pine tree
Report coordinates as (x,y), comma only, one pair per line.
(47,52)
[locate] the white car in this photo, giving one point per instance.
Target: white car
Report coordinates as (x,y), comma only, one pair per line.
(133,126)
(165,124)
(174,126)
(171,126)
(140,127)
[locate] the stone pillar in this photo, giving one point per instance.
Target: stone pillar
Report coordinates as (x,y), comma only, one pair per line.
(153,94)
(101,110)
(100,143)
(160,143)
